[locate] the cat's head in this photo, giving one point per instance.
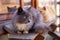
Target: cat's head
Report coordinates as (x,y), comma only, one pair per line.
(22,16)
(11,9)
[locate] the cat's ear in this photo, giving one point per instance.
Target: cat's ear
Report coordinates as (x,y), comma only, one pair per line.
(43,8)
(20,10)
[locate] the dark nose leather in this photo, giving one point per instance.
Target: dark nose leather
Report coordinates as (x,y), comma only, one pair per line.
(28,21)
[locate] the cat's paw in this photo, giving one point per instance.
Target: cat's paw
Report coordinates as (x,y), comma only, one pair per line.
(18,32)
(25,32)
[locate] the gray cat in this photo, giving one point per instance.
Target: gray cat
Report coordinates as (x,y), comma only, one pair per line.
(22,20)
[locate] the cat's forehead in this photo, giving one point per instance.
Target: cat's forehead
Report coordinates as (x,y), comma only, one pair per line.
(24,13)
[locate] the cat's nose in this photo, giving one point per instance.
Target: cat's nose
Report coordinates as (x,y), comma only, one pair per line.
(28,21)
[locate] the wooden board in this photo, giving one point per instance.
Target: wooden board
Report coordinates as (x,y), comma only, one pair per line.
(30,36)
(55,35)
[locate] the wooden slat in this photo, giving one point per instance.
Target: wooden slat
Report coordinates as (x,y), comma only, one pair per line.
(36,3)
(32,3)
(22,3)
(5,16)
(5,13)
(54,35)
(30,36)
(4,37)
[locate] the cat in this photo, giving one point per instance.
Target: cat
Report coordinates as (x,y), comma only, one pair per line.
(11,9)
(48,14)
(22,20)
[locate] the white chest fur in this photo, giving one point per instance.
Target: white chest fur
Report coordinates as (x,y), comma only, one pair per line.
(21,26)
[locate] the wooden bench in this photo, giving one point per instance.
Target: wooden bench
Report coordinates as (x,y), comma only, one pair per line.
(30,36)
(55,35)
(5,16)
